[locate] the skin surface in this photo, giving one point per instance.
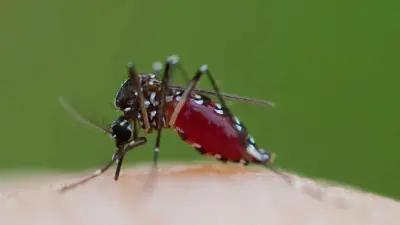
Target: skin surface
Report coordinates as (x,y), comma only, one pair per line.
(189,194)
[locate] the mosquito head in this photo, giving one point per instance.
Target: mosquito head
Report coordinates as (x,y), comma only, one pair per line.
(121,131)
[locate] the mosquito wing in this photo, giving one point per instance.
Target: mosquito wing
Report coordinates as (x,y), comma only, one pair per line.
(229,96)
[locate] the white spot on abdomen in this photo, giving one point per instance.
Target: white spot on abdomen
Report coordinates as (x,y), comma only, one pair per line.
(199,101)
(169,98)
(195,145)
(253,152)
(179,130)
(237,121)
(251,140)
(219,111)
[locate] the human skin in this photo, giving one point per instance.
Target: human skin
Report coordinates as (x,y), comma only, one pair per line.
(195,194)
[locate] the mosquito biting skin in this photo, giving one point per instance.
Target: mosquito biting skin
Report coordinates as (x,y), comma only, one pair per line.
(148,101)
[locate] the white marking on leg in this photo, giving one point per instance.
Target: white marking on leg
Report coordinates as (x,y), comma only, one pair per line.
(156,150)
(157,67)
(238,127)
(204,68)
(174,59)
(218,106)
(127,109)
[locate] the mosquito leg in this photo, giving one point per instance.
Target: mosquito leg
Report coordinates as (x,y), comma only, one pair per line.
(157,67)
(184,73)
(119,166)
(119,153)
(121,159)
(160,117)
(192,85)
(134,76)
(135,130)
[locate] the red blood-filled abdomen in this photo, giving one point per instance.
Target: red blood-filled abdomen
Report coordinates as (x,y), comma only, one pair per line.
(205,125)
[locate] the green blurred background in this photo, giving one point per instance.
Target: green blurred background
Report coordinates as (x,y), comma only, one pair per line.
(331,67)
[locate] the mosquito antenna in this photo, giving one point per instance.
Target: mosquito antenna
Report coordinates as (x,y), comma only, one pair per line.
(79,117)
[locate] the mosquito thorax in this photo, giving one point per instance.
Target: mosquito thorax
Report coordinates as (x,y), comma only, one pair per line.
(127,98)
(127,95)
